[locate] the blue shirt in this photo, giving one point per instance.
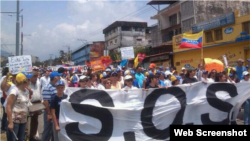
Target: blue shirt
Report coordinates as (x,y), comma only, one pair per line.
(162,83)
(139,77)
(55,104)
(49,91)
(239,71)
(136,84)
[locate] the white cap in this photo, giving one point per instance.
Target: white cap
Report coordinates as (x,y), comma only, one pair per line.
(127,72)
(83,77)
(128,77)
(183,68)
(245,73)
(167,73)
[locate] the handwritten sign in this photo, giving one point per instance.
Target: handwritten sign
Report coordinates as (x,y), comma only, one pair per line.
(211,64)
(97,65)
(19,64)
(127,53)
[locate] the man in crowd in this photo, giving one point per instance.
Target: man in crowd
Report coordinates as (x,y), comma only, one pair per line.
(48,92)
(35,98)
(139,76)
(45,79)
(240,68)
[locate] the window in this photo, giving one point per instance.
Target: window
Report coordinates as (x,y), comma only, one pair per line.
(110,43)
(209,36)
(126,28)
(187,9)
(173,20)
(187,24)
(218,34)
(246,27)
(115,40)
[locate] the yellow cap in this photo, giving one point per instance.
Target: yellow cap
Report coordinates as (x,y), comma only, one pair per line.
(20,77)
(9,83)
(146,74)
(173,78)
(101,76)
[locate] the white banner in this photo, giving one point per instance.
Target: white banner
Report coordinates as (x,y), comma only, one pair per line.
(139,115)
(19,64)
(127,52)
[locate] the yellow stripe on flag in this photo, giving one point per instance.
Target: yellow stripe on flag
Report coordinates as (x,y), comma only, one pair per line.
(136,62)
(195,36)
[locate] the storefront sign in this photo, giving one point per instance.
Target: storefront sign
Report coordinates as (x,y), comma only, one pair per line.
(229,30)
(177,39)
(164,57)
(187,61)
(222,20)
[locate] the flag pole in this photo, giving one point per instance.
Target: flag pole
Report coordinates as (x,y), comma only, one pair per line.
(202,49)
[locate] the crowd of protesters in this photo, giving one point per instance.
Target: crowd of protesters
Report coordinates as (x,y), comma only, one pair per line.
(50,88)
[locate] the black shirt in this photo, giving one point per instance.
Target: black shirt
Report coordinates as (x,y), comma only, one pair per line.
(149,86)
(189,80)
(55,104)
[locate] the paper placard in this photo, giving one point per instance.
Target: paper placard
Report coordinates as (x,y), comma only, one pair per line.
(211,64)
(127,52)
(19,64)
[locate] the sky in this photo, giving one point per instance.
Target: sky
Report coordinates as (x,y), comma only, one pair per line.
(50,26)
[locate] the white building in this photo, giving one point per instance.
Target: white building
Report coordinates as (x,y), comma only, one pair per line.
(123,34)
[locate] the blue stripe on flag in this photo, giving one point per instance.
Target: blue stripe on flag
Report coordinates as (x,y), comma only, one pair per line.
(190,41)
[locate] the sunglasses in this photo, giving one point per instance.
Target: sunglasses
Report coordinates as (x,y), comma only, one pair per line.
(129,80)
(108,83)
(114,75)
(59,87)
(84,80)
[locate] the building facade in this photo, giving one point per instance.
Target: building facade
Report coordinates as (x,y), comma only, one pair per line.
(34,59)
(230,38)
(123,34)
(88,52)
(193,12)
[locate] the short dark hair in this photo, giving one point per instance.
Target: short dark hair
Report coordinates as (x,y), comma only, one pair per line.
(138,67)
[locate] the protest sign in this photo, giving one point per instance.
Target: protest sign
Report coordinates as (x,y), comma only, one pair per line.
(19,64)
(211,64)
(138,115)
(106,60)
(97,65)
(127,53)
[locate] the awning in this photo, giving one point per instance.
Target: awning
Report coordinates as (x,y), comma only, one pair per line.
(158,2)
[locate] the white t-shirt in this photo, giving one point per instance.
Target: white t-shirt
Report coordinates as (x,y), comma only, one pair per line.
(1,92)
(100,87)
(129,88)
(245,80)
(208,80)
(20,106)
(168,83)
(12,89)
(36,96)
(44,82)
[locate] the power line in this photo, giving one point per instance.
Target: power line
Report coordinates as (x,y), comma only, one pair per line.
(135,13)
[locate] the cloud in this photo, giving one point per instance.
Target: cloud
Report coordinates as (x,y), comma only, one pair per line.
(84,20)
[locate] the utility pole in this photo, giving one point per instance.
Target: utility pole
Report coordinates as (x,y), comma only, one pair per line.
(51,59)
(17,28)
(68,53)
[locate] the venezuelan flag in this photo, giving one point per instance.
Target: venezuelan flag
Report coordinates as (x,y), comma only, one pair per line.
(191,40)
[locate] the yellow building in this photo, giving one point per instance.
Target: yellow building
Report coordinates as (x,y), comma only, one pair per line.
(223,35)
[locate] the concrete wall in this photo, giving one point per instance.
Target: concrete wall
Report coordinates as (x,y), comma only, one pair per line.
(205,10)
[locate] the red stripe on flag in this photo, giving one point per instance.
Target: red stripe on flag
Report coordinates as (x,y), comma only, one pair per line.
(188,45)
